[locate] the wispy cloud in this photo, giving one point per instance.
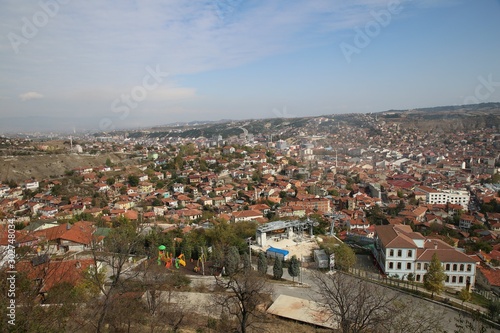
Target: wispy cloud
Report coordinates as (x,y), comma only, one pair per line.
(93,51)
(30,95)
(183,36)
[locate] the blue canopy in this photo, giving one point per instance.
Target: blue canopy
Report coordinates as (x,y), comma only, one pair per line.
(284,253)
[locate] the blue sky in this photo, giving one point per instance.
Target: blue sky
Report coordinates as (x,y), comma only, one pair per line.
(75,62)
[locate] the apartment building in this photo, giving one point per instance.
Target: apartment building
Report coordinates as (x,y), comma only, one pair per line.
(433,196)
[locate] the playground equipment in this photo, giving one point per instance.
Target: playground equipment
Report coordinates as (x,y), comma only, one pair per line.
(201,262)
(180,261)
(164,256)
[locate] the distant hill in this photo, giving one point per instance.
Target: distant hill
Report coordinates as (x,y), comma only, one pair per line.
(442,118)
(447,118)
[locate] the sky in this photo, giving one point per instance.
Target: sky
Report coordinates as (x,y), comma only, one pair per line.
(71,65)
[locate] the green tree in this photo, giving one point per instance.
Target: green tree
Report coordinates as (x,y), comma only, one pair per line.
(109,163)
(435,276)
(262,263)
(232,262)
(294,267)
(157,202)
(345,258)
(494,310)
(247,264)
(133,180)
(187,247)
(277,269)
(110,181)
(464,295)
(56,189)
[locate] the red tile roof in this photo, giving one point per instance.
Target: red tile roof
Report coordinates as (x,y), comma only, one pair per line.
(55,272)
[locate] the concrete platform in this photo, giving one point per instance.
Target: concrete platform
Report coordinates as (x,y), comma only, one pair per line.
(302,310)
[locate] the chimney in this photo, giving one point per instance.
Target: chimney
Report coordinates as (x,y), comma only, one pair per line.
(68,226)
(435,246)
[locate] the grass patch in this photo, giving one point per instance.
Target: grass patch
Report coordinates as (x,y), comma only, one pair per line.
(479,300)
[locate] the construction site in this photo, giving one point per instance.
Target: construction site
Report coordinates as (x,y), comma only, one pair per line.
(295,237)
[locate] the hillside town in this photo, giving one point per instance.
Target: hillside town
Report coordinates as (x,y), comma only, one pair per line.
(403,193)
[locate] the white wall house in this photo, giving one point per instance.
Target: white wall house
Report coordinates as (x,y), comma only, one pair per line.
(400,251)
(433,196)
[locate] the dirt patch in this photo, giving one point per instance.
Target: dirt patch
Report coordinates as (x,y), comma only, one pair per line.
(21,168)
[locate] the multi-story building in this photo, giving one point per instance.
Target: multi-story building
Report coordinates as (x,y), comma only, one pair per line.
(401,251)
(433,196)
(321,205)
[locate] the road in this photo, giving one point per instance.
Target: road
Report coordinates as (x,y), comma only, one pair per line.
(305,288)
(310,291)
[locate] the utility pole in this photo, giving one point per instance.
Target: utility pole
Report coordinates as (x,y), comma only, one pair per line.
(249,242)
(202,262)
(300,270)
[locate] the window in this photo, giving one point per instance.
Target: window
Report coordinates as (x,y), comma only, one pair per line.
(410,253)
(408,265)
(469,267)
(447,279)
(426,266)
(454,267)
(447,267)
(400,253)
(399,265)
(418,278)
(462,267)
(460,279)
(419,266)
(391,253)
(391,265)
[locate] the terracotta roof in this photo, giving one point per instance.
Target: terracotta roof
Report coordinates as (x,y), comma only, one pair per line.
(80,232)
(55,272)
(491,274)
(395,236)
(247,213)
(445,252)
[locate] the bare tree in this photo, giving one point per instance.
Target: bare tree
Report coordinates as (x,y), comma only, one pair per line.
(357,305)
(414,316)
(242,294)
(164,306)
(40,280)
(123,242)
(471,323)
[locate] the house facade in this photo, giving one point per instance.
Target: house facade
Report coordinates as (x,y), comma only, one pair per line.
(399,251)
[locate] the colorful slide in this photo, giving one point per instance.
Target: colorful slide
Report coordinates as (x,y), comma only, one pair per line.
(164,257)
(180,261)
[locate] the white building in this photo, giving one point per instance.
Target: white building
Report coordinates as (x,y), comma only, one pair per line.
(31,185)
(433,196)
(400,251)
